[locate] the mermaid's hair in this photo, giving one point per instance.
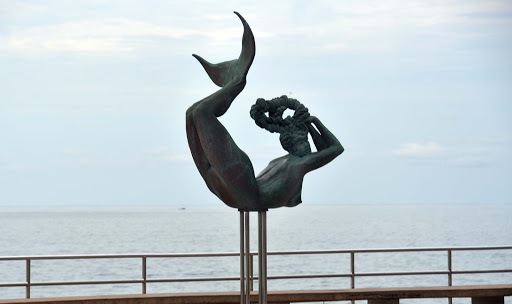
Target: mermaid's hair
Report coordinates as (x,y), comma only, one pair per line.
(292,129)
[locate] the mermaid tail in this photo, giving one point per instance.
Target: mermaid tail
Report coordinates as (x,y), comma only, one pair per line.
(223,73)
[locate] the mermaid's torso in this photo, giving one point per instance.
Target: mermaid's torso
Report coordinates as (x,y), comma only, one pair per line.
(280,183)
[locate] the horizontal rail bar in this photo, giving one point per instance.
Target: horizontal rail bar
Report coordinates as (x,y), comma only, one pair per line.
(378,274)
(13,284)
(404,273)
(308,276)
(169,280)
(280,277)
(233,254)
(385,250)
(54,283)
(352,275)
(119,256)
(383,274)
(481,271)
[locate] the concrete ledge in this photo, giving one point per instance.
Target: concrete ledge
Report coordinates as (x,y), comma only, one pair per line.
(291,296)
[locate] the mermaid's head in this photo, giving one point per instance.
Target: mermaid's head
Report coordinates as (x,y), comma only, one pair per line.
(294,139)
(293,130)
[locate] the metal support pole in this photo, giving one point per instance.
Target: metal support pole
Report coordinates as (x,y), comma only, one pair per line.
(262,256)
(242,258)
(247,259)
(251,274)
(260,263)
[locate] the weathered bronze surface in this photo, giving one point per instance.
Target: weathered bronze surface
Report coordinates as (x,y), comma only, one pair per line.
(226,169)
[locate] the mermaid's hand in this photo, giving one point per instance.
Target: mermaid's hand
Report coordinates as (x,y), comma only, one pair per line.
(310,119)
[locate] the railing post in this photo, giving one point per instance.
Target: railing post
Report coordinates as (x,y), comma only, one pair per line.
(449,272)
(352,270)
(27,268)
(352,273)
(449,268)
(144,275)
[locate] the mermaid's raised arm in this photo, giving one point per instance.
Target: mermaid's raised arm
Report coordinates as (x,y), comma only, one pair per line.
(328,149)
(223,73)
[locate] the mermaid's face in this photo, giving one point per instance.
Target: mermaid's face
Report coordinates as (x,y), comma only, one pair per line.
(301,148)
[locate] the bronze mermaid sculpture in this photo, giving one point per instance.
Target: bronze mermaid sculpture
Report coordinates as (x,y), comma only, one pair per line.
(226,169)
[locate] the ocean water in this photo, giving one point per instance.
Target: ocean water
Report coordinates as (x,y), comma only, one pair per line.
(117,230)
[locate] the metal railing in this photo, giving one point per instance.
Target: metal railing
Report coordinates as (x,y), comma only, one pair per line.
(144,280)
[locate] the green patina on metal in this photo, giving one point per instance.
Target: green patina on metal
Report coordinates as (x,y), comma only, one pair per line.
(226,169)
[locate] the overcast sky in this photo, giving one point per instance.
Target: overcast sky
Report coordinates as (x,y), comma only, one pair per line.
(94,94)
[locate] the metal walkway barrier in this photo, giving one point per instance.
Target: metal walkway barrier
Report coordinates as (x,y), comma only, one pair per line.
(353,253)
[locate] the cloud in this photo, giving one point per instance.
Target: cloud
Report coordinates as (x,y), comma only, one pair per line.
(4,159)
(75,152)
(482,153)
(328,26)
(180,158)
(332,26)
(106,36)
(109,35)
(419,150)
(476,155)
(167,155)
(472,161)
(81,157)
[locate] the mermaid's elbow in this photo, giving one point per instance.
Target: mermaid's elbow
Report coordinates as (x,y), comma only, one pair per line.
(339,149)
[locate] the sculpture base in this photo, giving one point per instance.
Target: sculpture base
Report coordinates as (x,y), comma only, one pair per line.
(246,274)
